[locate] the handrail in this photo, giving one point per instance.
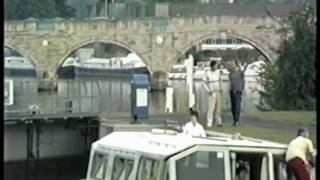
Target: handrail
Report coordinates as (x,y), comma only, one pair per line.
(29,103)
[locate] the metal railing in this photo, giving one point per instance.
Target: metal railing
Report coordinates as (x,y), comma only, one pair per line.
(55,107)
(70,98)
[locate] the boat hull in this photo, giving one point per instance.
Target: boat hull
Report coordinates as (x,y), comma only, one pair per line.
(82,71)
(20,72)
(66,72)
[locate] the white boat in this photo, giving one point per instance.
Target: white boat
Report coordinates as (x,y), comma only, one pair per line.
(18,66)
(116,66)
(251,73)
(167,155)
(225,46)
(179,71)
(254,69)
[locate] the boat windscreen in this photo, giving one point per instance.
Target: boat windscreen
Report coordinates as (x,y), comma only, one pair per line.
(149,169)
(122,168)
(201,164)
(99,166)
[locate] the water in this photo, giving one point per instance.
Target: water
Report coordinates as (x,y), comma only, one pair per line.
(60,168)
(112,96)
(116,96)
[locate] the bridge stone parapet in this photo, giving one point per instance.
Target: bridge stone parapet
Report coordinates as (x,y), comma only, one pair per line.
(158,41)
(139,24)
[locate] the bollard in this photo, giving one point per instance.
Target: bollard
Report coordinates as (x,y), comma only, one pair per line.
(68,106)
(189,78)
(139,96)
(169,99)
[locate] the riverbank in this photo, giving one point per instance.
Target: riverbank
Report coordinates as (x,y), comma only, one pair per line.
(272,134)
(303,118)
(274,126)
(279,126)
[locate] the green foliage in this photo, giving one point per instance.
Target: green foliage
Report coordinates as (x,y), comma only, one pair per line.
(22,9)
(63,10)
(176,1)
(270,82)
(290,82)
(301,118)
(239,1)
(40,9)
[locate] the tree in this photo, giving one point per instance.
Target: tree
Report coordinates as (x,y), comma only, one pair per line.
(176,1)
(40,9)
(63,10)
(290,82)
(23,9)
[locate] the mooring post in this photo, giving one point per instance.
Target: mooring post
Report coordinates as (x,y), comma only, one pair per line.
(29,153)
(38,131)
(86,133)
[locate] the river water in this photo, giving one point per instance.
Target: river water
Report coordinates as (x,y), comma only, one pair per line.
(115,95)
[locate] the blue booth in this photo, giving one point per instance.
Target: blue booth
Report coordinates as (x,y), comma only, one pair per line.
(139,96)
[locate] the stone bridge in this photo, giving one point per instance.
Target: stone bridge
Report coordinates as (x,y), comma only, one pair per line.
(158,41)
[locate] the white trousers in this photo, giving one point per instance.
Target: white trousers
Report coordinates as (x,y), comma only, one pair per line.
(214,109)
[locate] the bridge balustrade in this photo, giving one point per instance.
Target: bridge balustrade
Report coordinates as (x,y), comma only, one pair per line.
(153,15)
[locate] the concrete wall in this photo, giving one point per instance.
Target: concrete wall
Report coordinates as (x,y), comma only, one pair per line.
(55,140)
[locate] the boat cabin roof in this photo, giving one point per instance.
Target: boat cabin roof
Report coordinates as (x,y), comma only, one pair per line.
(161,145)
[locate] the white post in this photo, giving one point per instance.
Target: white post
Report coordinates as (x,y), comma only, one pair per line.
(189,78)
(169,99)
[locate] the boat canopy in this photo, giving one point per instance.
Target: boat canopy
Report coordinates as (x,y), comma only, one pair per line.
(160,146)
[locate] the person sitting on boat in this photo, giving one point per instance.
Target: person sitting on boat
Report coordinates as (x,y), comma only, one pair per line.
(242,172)
(194,128)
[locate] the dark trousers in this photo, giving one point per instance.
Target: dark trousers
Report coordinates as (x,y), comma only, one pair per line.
(235,97)
(297,167)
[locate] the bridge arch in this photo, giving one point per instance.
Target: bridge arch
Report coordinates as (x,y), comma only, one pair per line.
(250,41)
(100,40)
(23,53)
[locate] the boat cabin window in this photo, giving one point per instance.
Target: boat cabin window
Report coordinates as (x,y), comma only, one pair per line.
(99,166)
(256,165)
(279,164)
(148,169)
(202,165)
(122,168)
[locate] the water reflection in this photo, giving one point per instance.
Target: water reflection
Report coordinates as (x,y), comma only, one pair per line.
(115,94)
(116,98)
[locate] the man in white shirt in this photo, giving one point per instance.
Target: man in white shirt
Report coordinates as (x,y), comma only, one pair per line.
(213,86)
(300,150)
(194,128)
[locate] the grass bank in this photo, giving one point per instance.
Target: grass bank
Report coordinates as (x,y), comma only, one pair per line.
(281,136)
(303,118)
